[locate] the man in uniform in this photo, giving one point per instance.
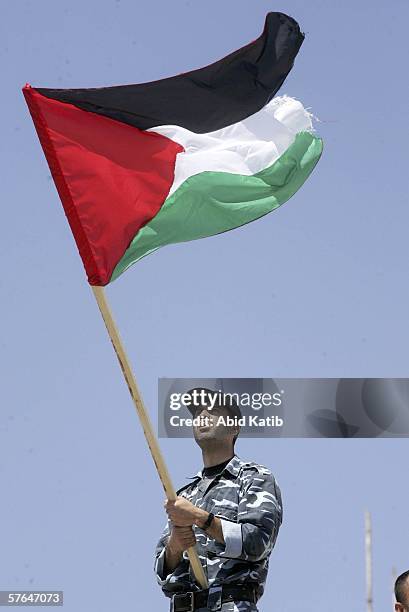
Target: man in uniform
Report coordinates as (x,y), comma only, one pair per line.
(402,593)
(232,512)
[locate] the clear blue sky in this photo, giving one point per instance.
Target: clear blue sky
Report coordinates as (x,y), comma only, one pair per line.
(318,288)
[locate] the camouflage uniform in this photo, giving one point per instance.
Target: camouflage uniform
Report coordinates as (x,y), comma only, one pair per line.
(247,499)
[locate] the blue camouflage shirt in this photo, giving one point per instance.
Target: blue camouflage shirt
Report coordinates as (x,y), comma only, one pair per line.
(247,499)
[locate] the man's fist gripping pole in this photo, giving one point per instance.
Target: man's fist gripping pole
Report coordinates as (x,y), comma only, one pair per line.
(183,515)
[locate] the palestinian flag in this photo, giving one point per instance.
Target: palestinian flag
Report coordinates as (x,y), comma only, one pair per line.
(141,166)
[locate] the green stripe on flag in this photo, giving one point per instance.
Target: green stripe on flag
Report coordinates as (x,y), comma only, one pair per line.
(214,202)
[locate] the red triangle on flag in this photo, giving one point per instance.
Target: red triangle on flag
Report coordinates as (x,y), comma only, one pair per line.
(112,178)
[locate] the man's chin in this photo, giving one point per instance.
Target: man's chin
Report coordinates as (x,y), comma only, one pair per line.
(205,434)
(205,437)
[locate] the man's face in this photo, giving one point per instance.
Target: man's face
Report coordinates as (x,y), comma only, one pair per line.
(212,428)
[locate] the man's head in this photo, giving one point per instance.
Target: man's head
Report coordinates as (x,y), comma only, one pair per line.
(217,414)
(402,593)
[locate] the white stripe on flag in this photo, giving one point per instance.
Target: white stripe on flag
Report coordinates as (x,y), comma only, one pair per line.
(245,148)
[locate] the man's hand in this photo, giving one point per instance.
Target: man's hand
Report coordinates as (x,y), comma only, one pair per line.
(182,512)
(181,538)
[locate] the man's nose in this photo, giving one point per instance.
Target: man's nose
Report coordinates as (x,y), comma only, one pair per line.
(206,413)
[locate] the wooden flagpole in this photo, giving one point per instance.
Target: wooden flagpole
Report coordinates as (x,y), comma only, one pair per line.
(368,561)
(156,453)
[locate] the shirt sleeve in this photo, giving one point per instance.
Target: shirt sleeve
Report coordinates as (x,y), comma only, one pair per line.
(233,538)
(259,518)
(159,565)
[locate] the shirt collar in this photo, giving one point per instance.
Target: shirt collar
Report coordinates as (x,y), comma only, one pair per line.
(233,467)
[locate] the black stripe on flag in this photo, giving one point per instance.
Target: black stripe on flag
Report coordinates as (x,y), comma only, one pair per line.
(203,100)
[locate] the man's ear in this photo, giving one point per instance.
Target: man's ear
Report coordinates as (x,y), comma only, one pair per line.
(399,607)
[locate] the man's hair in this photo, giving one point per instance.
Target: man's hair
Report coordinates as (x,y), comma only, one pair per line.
(401,588)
